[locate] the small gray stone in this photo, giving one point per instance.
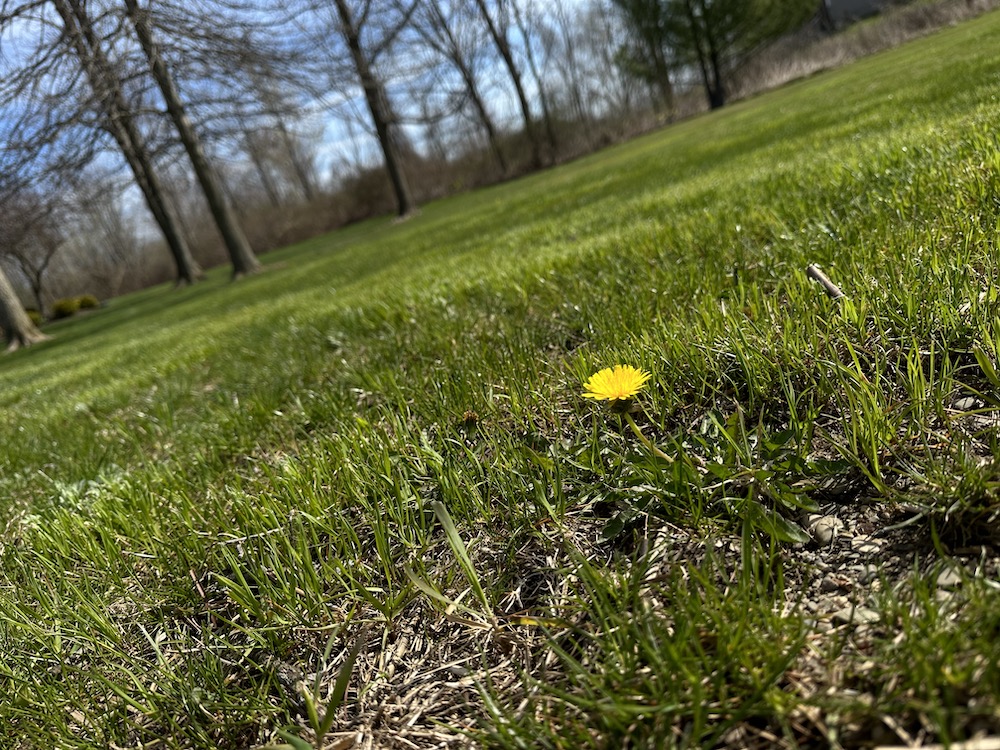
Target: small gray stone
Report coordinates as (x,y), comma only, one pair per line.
(834,583)
(949,578)
(865,545)
(856,615)
(825,528)
(967,404)
(867,574)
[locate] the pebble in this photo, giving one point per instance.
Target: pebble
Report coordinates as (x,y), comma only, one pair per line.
(967,404)
(856,615)
(825,528)
(949,578)
(834,583)
(868,574)
(865,545)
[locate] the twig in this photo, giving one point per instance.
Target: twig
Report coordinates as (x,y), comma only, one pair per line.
(201,591)
(813,272)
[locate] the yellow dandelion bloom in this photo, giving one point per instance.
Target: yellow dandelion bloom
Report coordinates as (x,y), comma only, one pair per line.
(615,383)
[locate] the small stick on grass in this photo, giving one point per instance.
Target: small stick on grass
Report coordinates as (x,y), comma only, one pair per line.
(813,272)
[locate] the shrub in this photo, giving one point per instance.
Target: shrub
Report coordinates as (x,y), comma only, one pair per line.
(64,308)
(34,316)
(88,302)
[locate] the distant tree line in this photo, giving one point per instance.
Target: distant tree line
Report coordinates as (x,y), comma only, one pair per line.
(189,132)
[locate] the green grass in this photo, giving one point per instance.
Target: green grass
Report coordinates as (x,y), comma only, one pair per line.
(373,461)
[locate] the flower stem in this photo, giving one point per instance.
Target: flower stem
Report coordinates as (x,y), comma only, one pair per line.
(645,440)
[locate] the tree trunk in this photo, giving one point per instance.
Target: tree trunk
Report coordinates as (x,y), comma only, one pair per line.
(453,52)
(503,47)
(717,92)
(708,55)
(480,106)
(35,274)
(141,164)
(240,253)
(694,28)
(304,172)
(253,151)
(36,292)
(17,326)
(304,175)
(717,88)
(487,121)
(664,87)
(119,123)
(576,89)
(380,109)
(543,98)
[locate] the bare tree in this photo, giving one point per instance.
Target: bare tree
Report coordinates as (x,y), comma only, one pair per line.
(282,159)
(448,28)
(239,72)
(562,39)
(68,91)
(296,158)
(300,156)
(17,327)
(612,90)
(354,19)
(105,233)
(30,238)
(242,256)
(498,21)
(524,25)
(258,146)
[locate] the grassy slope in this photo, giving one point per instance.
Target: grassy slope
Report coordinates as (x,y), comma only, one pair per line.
(205,486)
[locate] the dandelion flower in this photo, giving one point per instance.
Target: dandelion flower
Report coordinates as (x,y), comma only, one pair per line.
(615,383)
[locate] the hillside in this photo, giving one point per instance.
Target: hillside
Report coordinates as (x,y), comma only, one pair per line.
(375,460)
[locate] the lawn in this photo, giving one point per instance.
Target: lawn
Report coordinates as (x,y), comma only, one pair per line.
(360,498)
